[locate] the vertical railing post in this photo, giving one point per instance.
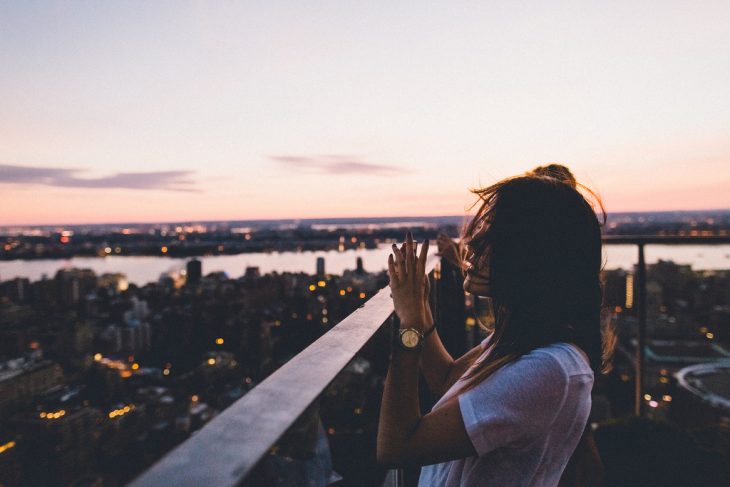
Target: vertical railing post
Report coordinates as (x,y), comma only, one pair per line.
(641,331)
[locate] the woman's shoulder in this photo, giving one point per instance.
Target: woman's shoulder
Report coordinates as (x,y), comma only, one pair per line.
(571,358)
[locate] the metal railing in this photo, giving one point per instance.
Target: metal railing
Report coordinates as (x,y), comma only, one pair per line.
(640,285)
(226,450)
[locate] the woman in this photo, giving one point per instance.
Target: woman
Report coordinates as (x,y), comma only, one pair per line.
(513,409)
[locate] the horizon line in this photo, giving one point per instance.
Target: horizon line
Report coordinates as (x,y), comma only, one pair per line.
(340,219)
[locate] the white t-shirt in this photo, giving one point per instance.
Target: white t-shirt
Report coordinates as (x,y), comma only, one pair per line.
(524,421)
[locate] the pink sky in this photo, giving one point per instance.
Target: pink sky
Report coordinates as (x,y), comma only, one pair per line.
(140,112)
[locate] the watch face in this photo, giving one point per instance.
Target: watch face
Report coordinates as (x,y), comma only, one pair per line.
(409,338)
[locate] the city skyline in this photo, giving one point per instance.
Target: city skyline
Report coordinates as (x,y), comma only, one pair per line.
(208,112)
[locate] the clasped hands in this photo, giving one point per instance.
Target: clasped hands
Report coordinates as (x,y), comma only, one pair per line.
(409,285)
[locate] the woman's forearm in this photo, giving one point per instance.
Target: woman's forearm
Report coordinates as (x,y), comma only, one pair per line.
(400,408)
(436,364)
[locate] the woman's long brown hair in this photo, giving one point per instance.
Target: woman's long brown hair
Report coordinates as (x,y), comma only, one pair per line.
(540,239)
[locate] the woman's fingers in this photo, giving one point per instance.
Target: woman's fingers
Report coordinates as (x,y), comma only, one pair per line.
(392,272)
(410,254)
(421,266)
(400,265)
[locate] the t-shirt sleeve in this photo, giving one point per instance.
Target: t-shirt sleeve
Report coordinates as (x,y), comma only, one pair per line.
(516,404)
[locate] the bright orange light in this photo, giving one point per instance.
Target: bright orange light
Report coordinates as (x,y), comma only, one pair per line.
(211,361)
(362,295)
(312,287)
(342,292)
(321,283)
(194,398)
(163,249)
(219,341)
(65,240)
(135,366)
(97,357)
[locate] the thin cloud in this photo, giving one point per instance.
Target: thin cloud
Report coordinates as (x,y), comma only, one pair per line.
(69,178)
(337,164)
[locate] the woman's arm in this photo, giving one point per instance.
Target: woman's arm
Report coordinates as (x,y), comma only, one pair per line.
(406,437)
(440,370)
(403,435)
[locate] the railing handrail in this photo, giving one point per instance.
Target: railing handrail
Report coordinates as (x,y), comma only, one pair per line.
(233,443)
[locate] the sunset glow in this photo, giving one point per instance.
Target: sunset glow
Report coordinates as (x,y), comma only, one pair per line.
(190,111)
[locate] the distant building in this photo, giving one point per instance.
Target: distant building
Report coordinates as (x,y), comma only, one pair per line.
(58,444)
(359,268)
(194,271)
(252,273)
(73,284)
(320,266)
(116,281)
(18,290)
(22,379)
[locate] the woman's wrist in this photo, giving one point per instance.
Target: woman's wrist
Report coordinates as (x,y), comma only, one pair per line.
(420,325)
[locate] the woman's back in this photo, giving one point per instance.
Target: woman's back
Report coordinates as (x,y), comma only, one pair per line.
(524,421)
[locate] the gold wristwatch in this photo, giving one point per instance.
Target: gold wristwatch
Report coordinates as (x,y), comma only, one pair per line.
(410,339)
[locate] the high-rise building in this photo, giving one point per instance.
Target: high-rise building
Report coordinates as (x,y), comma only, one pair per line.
(194,271)
(320,266)
(21,379)
(359,269)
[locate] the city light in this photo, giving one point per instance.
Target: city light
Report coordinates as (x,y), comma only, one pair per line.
(653,404)
(710,335)
(667,398)
(647,397)
(195,398)
(97,357)
(342,292)
(163,249)
(135,366)
(321,283)
(165,371)
(211,361)
(7,446)
(629,291)
(362,295)
(312,287)
(121,411)
(219,341)
(54,415)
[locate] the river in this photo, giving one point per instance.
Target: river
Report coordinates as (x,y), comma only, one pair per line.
(140,270)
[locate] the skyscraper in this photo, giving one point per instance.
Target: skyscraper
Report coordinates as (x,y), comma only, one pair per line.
(194,271)
(320,266)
